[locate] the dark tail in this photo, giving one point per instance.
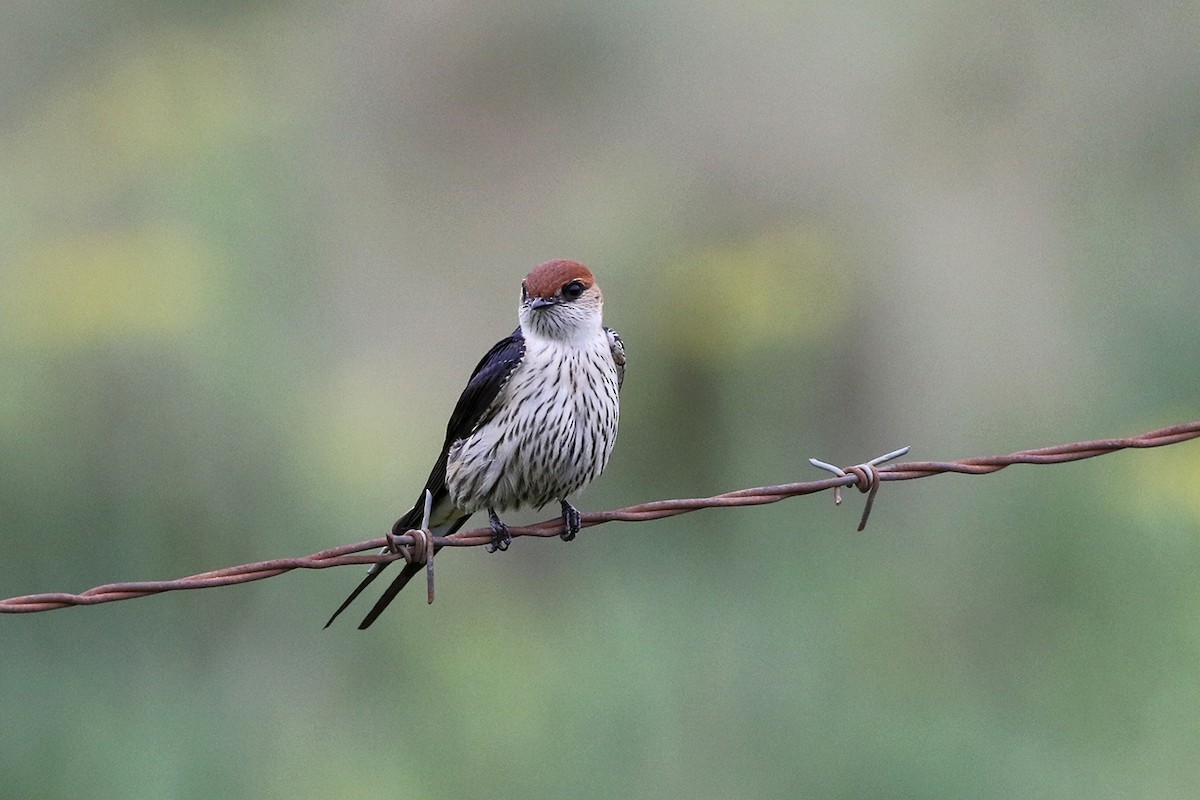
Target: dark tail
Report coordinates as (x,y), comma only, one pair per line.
(389,594)
(407,522)
(371,576)
(406,574)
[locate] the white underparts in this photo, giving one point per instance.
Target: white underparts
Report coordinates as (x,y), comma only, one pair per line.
(550,432)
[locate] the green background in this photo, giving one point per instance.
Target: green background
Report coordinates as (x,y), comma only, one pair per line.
(250,251)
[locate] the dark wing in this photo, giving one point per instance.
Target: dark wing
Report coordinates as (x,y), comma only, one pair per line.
(474,407)
(618,353)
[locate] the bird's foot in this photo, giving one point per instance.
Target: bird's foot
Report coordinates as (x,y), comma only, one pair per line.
(501,538)
(572,521)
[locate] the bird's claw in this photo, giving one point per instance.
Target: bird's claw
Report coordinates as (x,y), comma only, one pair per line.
(572,521)
(501,538)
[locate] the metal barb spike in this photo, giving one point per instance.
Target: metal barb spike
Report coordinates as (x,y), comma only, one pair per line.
(866,478)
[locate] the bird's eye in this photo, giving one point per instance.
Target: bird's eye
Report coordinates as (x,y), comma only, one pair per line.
(573,289)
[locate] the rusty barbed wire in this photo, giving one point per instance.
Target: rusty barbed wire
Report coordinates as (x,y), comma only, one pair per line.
(865,477)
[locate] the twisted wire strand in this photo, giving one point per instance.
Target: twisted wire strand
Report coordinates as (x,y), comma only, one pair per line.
(348,554)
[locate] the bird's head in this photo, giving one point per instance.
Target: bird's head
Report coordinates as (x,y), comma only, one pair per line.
(560,300)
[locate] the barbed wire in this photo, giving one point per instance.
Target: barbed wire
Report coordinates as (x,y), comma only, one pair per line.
(865,477)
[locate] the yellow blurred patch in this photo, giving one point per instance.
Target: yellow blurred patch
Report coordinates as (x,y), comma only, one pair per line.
(778,290)
(147,282)
(1166,490)
(154,104)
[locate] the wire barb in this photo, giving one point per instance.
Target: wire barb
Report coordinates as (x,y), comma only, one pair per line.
(427,548)
(866,479)
(422,549)
(657,509)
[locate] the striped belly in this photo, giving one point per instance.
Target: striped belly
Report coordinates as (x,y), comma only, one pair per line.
(552,432)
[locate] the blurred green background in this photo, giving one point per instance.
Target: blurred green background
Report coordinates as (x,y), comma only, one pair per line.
(249,253)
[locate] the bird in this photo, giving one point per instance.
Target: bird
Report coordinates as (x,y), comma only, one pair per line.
(536,422)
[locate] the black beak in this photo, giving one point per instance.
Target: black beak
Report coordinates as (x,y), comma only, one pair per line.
(542,302)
